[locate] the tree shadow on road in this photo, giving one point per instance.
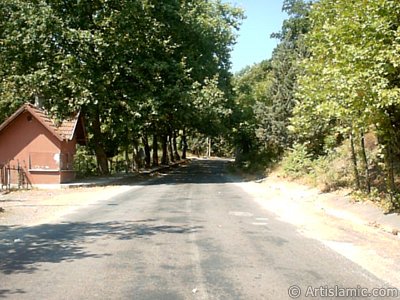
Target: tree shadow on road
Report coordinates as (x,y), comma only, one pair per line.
(5,292)
(23,249)
(196,172)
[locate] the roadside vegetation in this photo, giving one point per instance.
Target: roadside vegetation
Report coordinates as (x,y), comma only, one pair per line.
(326,108)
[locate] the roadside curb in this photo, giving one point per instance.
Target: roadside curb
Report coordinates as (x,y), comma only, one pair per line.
(365,213)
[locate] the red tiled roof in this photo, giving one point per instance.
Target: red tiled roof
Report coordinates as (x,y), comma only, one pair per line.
(63,131)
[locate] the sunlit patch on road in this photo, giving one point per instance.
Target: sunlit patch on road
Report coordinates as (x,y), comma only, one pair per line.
(240,214)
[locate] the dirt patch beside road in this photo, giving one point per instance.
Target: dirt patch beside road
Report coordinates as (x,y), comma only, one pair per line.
(32,207)
(330,218)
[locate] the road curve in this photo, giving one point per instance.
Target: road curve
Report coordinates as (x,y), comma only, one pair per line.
(190,234)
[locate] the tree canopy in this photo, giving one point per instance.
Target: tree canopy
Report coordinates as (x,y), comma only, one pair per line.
(134,67)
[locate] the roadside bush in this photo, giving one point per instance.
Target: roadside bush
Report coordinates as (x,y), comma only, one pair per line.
(330,171)
(84,163)
(254,162)
(297,162)
(333,171)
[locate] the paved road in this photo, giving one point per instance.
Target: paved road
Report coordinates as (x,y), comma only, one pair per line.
(191,234)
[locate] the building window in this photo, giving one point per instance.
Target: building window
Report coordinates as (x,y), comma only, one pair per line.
(44,161)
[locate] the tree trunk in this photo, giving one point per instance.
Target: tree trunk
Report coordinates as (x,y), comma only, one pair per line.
(365,159)
(155,150)
(354,160)
(184,144)
(164,158)
(391,186)
(127,164)
(146,145)
(135,155)
(170,152)
(101,155)
(174,144)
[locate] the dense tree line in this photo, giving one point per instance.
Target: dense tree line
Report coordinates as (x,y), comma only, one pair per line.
(350,84)
(333,78)
(143,72)
(265,93)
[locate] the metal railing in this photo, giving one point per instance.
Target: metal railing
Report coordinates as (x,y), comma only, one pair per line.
(13,176)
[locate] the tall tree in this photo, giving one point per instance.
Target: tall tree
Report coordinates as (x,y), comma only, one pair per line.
(273,114)
(250,88)
(265,93)
(351,78)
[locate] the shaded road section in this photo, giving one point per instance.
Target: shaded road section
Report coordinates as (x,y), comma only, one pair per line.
(190,234)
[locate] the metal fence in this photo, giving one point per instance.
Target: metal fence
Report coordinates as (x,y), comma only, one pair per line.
(13,176)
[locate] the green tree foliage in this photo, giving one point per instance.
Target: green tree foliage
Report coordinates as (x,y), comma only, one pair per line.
(33,60)
(135,68)
(352,74)
(273,115)
(265,92)
(251,87)
(351,79)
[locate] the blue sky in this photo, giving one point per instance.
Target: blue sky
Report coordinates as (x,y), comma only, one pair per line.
(254,43)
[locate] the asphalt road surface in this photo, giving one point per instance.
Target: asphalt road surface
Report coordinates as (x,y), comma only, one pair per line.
(191,234)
